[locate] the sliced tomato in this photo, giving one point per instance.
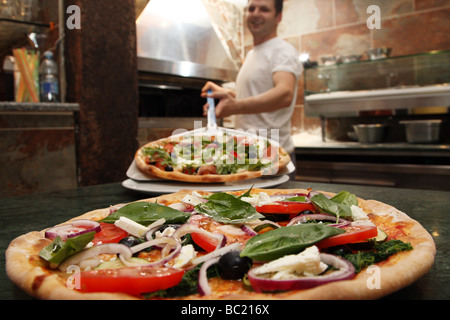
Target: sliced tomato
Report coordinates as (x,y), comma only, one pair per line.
(109,234)
(188,170)
(209,244)
(160,165)
(169,147)
(286,207)
(133,281)
(204,242)
(352,234)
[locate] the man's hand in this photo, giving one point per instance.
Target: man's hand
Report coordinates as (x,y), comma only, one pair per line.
(227,105)
(279,97)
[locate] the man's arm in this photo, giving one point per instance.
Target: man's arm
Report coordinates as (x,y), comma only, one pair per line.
(280,96)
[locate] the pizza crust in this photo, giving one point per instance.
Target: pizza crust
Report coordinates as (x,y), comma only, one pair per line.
(26,270)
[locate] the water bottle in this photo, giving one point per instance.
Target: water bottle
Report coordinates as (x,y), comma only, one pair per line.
(48,79)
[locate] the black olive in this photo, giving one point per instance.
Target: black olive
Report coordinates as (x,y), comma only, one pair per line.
(232,266)
(168,168)
(130,241)
(165,226)
(276,217)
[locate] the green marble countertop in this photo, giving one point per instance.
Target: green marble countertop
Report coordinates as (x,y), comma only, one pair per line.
(38,211)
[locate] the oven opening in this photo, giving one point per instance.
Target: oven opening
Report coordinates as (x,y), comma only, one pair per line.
(169,101)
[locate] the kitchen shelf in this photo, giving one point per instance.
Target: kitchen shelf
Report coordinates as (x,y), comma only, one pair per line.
(30,107)
(403,82)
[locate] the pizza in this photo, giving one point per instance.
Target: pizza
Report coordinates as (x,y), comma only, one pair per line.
(211,158)
(248,244)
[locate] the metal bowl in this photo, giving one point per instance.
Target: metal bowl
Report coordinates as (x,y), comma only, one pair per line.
(351,58)
(422,131)
(379,53)
(329,60)
(370,133)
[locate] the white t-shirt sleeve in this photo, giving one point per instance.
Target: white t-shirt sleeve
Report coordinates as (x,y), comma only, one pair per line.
(287,60)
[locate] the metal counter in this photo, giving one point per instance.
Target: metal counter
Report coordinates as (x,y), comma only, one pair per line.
(419,166)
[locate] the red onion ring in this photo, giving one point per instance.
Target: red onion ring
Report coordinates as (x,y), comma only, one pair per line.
(345,271)
(216,253)
(93,252)
(318,216)
(153,228)
(203,287)
(248,230)
(189,228)
(76,228)
(165,258)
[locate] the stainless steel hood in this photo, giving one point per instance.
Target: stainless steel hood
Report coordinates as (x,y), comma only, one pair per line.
(177,38)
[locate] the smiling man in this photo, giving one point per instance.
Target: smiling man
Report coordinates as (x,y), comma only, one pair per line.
(266,85)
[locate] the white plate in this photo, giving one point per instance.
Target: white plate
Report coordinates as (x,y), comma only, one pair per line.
(166,186)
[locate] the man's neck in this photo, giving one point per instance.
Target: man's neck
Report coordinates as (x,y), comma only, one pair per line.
(258,41)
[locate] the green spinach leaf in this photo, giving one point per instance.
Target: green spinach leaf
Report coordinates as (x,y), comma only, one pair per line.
(332,207)
(380,252)
(345,198)
(287,240)
(297,199)
(59,250)
(227,208)
(146,213)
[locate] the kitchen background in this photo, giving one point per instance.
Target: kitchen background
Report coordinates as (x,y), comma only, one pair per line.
(106,112)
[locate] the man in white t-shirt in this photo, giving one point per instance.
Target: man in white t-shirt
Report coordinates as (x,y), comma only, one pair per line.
(266,85)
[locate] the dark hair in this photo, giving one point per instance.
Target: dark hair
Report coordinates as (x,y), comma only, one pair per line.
(279,6)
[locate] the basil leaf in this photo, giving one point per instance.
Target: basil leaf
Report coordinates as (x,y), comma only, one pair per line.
(297,199)
(59,250)
(146,213)
(346,198)
(287,240)
(331,207)
(227,208)
(247,193)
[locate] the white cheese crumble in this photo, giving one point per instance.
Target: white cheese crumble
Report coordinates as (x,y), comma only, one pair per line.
(186,254)
(358,213)
(194,198)
(262,198)
(168,232)
(360,218)
(181,162)
(130,226)
(306,263)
